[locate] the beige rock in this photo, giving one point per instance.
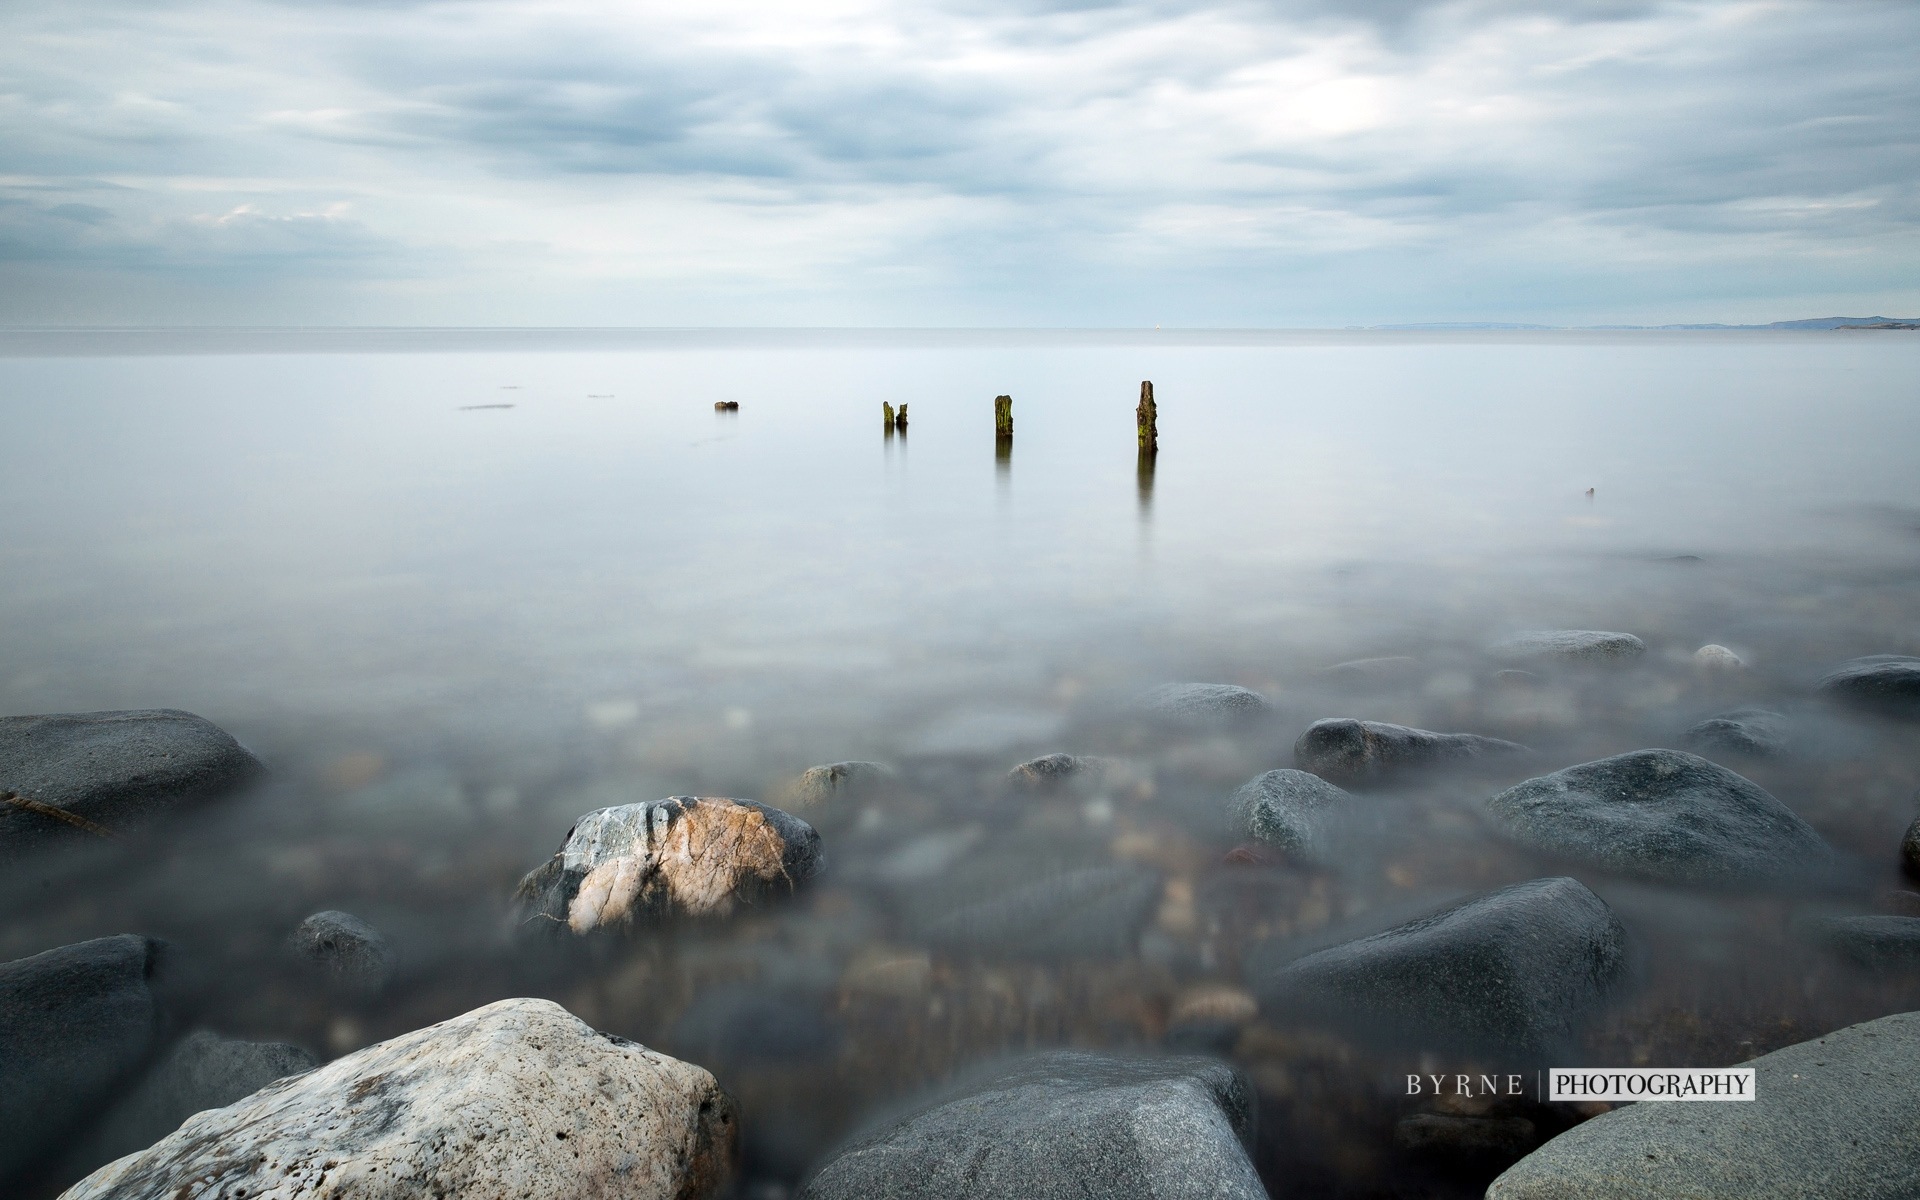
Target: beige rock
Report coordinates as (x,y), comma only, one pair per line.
(1717,658)
(519,1098)
(1211,1002)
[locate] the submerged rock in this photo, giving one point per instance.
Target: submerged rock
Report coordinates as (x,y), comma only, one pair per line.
(1871,941)
(1571,645)
(352,955)
(1758,732)
(1058,1126)
(1055,770)
(519,1098)
(75,775)
(1836,1116)
(1349,751)
(1286,808)
(1663,814)
(841,780)
(1715,657)
(685,855)
(75,1023)
(1364,672)
(1515,970)
(1888,683)
(1094,911)
(1206,704)
(1910,851)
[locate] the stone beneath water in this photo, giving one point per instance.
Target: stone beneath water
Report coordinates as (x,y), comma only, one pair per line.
(1362,672)
(1093,911)
(109,770)
(519,1098)
(1872,941)
(842,780)
(1667,815)
(1514,971)
(1349,751)
(74,1024)
(1888,683)
(1060,1125)
(1286,808)
(682,856)
(353,956)
(1206,704)
(1836,1116)
(1910,851)
(1759,732)
(1056,770)
(1570,645)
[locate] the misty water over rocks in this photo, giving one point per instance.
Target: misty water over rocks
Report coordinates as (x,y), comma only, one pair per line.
(455,600)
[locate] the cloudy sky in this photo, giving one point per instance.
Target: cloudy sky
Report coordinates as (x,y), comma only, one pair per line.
(957,162)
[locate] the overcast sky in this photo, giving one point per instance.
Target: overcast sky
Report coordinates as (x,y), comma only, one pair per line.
(957,162)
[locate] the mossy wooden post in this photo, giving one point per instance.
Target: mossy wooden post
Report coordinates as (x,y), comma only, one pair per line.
(900,422)
(886,417)
(1003,429)
(1146,420)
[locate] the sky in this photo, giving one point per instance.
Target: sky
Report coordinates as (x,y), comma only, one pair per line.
(1286,163)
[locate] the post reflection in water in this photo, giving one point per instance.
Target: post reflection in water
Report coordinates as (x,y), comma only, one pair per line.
(1143,475)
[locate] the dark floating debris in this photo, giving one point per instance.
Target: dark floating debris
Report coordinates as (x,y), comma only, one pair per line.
(726,406)
(478,407)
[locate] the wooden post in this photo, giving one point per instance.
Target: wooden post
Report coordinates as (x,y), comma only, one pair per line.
(886,417)
(1003,416)
(1146,419)
(900,422)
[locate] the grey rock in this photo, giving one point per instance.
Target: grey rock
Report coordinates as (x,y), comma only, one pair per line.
(518,1098)
(75,1023)
(1756,732)
(1364,672)
(1872,941)
(1571,646)
(1888,683)
(1092,911)
(1836,1116)
(682,856)
(1061,1125)
(1286,808)
(1206,704)
(352,955)
(1053,771)
(1514,970)
(1663,814)
(1348,751)
(1910,851)
(110,770)
(852,780)
(1445,1135)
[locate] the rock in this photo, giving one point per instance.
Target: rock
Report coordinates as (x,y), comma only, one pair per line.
(1095,911)
(1286,808)
(834,781)
(519,1098)
(202,1071)
(1910,851)
(1758,732)
(1663,814)
(1060,1125)
(1571,645)
(1051,771)
(1206,704)
(1835,1116)
(1717,658)
(1348,751)
(1514,971)
(1458,1137)
(1396,668)
(75,1023)
(352,955)
(1874,942)
(1888,683)
(685,855)
(71,775)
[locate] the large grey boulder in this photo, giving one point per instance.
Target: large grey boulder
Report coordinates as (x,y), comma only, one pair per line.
(682,856)
(1514,970)
(1288,809)
(1205,704)
(1888,683)
(75,1023)
(519,1098)
(1570,646)
(1058,1126)
(1754,732)
(1348,751)
(74,775)
(1836,1116)
(1663,814)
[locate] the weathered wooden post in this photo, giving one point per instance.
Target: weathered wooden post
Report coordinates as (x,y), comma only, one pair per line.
(900,422)
(886,417)
(1146,420)
(1003,416)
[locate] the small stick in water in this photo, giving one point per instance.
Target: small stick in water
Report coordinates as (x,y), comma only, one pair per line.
(1146,419)
(58,814)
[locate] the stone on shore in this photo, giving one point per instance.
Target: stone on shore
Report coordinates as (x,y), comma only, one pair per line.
(1888,683)
(682,856)
(519,1098)
(1206,704)
(1061,1125)
(829,782)
(78,775)
(1286,808)
(1514,971)
(1836,1116)
(1570,646)
(1665,815)
(352,955)
(1756,732)
(1344,750)
(75,1024)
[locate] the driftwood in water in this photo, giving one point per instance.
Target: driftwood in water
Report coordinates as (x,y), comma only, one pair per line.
(1146,419)
(726,406)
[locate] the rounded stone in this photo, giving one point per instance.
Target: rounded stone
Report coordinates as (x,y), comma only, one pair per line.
(1286,808)
(1349,751)
(1571,646)
(353,955)
(1887,683)
(1206,704)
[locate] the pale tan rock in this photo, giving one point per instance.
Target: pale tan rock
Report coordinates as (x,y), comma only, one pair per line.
(1717,658)
(1213,1002)
(519,1098)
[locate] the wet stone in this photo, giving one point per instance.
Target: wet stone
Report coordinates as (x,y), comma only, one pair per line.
(1717,658)
(1570,646)
(1887,683)
(1835,1116)
(79,775)
(75,1023)
(1372,672)
(350,954)
(1344,750)
(1286,809)
(1051,771)
(1206,704)
(1514,971)
(1756,732)
(1910,851)
(1060,1125)
(837,781)
(1663,814)
(683,856)
(1874,941)
(519,1098)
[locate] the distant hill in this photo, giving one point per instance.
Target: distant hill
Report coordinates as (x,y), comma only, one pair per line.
(1807,323)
